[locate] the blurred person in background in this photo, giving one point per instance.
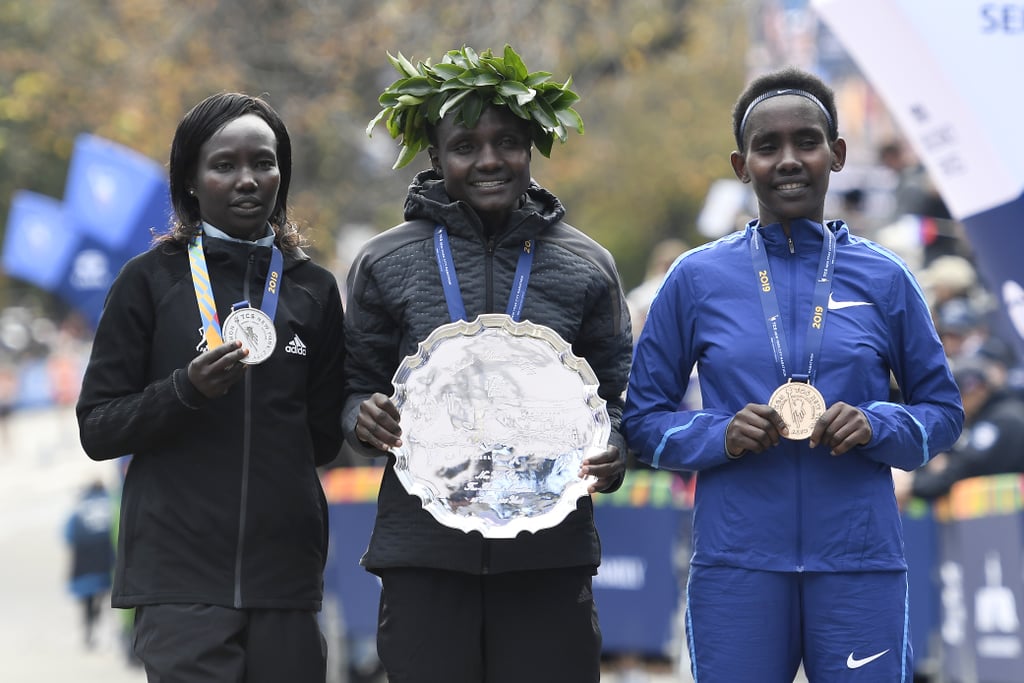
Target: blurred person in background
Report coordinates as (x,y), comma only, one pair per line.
(796,326)
(89,535)
(949,277)
(660,260)
(993,437)
(227,410)
(455,606)
(8,394)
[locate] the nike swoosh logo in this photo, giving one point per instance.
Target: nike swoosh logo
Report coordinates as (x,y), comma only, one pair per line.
(834,305)
(854,663)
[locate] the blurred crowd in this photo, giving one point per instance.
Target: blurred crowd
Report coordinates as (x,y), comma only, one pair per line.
(42,359)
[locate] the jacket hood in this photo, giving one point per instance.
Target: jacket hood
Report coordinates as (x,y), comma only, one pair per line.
(428,200)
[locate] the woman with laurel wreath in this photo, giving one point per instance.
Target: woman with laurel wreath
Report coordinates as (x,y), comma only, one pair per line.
(455,606)
(795,325)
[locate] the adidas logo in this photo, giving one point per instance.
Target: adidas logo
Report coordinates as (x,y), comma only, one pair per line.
(295,346)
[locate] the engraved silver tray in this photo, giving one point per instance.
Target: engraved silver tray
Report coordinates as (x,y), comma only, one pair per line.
(497,416)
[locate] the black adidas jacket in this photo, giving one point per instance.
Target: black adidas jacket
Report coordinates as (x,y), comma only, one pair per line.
(222,503)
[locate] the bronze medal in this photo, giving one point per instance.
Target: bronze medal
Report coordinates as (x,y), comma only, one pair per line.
(800,406)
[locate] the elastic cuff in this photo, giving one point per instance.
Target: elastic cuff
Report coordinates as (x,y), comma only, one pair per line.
(185,391)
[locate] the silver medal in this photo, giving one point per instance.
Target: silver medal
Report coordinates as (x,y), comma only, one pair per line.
(254,329)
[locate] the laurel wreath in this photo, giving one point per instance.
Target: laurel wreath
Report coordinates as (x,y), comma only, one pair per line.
(463,84)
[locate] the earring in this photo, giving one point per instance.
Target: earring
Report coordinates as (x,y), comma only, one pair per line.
(191,192)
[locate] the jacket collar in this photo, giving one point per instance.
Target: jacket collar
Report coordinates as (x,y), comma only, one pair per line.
(428,200)
(805,234)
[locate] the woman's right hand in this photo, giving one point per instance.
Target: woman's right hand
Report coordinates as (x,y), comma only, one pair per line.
(754,429)
(215,371)
(377,424)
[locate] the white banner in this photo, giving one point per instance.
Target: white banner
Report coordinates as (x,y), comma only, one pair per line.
(950,73)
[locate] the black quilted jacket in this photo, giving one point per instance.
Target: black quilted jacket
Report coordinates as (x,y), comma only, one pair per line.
(396,300)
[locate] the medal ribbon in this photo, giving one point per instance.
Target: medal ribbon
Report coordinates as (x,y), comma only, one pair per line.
(204,290)
(271,290)
(450,281)
(819,303)
(204,293)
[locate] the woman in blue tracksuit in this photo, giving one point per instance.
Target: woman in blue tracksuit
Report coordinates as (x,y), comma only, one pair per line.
(796,327)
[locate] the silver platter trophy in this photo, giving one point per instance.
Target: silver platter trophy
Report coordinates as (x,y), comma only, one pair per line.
(254,329)
(800,406)
(497,417)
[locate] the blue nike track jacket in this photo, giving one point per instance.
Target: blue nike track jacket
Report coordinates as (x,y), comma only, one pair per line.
(792,508)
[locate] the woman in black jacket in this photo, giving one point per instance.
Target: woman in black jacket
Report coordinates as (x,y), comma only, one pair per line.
(217,364)
(456,606)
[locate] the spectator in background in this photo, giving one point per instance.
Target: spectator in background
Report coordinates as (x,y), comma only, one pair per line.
(8,394)
(915,195)
(662,256)
(89,535)
(949,277)
(993,438)
(962,328)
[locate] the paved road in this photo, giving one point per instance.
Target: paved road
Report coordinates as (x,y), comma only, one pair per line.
(42,470)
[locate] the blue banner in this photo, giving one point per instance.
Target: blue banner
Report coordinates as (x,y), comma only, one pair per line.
(115,199)
(980,562)
(997,236)
(116,195)
(39,244)
(637,587)
(87,277)
(357,590)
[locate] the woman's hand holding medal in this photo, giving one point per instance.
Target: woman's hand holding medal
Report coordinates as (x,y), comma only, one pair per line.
(758,427)
(215,371)
(841,428)
(754,429)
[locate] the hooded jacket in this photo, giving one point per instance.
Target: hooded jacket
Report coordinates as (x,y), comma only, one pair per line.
(222,503)
(791,508)
(396,300)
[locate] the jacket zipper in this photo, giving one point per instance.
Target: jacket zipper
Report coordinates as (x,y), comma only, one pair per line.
(485,550)
(797,349)
(489,273)
(246,445)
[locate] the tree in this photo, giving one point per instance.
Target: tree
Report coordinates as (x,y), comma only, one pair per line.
(657,79)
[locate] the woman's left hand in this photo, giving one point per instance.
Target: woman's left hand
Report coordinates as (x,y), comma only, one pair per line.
(841,428)
(607,466)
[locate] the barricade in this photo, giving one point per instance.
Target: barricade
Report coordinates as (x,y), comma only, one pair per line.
(644,530)
(980,570)
(352,503)
(645,551)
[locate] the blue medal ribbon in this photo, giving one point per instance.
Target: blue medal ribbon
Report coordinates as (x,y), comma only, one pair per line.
(819,303)
(204,289)
(272,287)
(450,281)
